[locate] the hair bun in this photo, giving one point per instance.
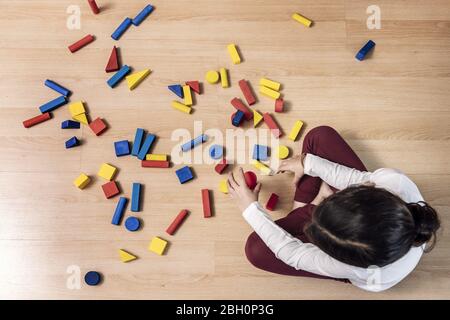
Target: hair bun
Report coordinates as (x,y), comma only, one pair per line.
(426,221)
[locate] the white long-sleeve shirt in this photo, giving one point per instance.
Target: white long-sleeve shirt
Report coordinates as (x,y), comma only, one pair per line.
(308,257)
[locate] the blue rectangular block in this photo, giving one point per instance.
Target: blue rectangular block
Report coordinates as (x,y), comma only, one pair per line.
(184,174)
(142,15)
(121,29)
(120,209)
(137,141)
(237,119)
(122,148)
(146,146)
(69,124)
(72,142)
(58,88)
(260,152)
(119,76)
(177,89)
(365,50)
(52,105)
(136,197)
(193,143)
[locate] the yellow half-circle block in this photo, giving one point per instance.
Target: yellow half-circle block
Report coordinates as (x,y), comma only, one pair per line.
(223,187)
(283,152)
(212,77)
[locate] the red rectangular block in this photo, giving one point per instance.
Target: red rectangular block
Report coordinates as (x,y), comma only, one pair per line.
(206,203)
(279,105)
(239,105)
(98,126)
(155,164)
(94,6)
(222,165)
(272,202)
(81,43)
(177,222)
(273,126)
(110,189)
(36,120)
(247,91)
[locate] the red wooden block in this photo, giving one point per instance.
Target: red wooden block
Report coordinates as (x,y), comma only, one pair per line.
(221,166)
(110,189)
(155,164)
(272,202)
(113,62)
(36,120)
(195,86)
(98,126)
(279,105)
(81,43)
(177,222)
(273,126)
(94,6)
(239,105)
(250,179)
(247,91)
(206,203)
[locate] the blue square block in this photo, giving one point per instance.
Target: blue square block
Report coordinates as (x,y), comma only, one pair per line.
(122,148)
(72,142)
(260,152)
(184,174)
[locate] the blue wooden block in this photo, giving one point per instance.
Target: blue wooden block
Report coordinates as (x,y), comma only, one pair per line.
(193,143)
(184,174)
(137,141)
(122,148)
(146,146)
(121,28)
(69,124)
(260,152)
(142,15)
(119,76)
(136,197)
(120,209)
(52,105)
(237,119)
(365,50)
(72,142)
(177,89)
(132,224)
(216,151)
(58,88)
(92,278)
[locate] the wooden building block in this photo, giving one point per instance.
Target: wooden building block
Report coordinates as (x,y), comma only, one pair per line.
(132,224)
(110,189)
(234,54)
(239,105)
(98,126)
(295,130)
(122,148)
(223,186)
(247,92)
(181,107)
(365,50)
(113,62)
(92,278)
(283,152)
(193,143)
(52,105)
(157,245)
(133,80)
(272,94)
(279,105)
(77,108)
(136,197)
(303,20)
(141,16)
(207,213)
(262,167)
(177,222)
(260,152)
(177,89)
(187,95)
(250,179)
(212,77)
(195,86)
(82,118)
(72,142)
(119,76)
(138,137)
(155,164)
(120,209)
(107,171)
(216,151)
(224,78)
(94,7)
(272,202)
(69,124)
(184,174)
(264,82)
(273,126)
(126,256)
(221,166)
(121,29)
(157,157)
(36,120)
(82,181)
(81,43)
(257,117)
(146,146)
(58,88)
(237,118)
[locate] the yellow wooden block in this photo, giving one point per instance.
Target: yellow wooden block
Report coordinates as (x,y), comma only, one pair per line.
(82,118)
(181,107)
(126,256)
(304,21)
(156,157)
(257,117)
(283,152)
(77,108)
(133,80)
(270,84)
(262,167)
(107,171)
(212,76)
(295,130)
(223,186)
(224,78)
(269,92)
(187,95)
(157,245)
(234,54)
(82,181)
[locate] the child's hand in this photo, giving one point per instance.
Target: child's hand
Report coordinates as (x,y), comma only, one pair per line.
(240,192)
(324,192)
(294,165)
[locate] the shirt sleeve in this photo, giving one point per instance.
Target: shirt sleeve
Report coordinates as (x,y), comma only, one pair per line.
(335,175)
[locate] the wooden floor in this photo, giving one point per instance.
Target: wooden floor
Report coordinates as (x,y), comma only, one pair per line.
(393,109)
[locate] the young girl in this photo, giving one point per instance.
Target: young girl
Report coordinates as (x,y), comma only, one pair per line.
(369,228)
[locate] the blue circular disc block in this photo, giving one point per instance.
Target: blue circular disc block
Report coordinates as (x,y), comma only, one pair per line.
(132,224)
(216,151)
(92,278)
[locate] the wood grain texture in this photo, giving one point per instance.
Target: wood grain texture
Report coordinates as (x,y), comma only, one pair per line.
(393,109)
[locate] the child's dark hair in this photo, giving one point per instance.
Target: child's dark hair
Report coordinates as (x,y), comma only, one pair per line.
(364,226)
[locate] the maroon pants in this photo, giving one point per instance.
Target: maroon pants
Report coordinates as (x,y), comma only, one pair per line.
(326,143)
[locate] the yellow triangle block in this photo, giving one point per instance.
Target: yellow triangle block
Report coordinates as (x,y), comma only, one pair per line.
(135,79)
(257,117)
(81,118)
(126,256)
